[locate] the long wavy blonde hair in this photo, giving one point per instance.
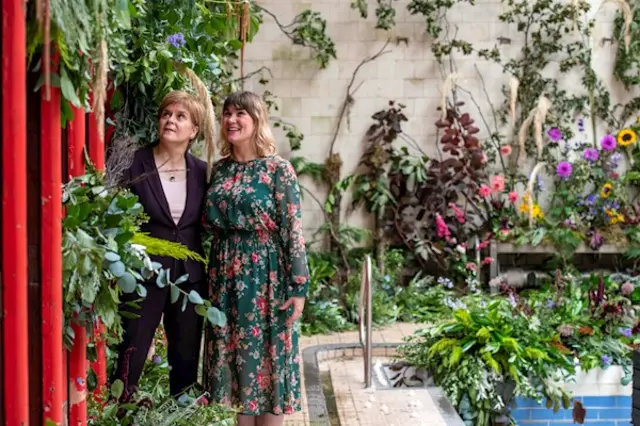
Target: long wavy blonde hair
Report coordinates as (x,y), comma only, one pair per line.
(257,109)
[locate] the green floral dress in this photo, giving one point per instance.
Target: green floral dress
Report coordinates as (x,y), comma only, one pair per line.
(257,262)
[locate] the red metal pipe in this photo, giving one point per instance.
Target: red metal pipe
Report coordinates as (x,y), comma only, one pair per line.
(14,213)
(78,377)
(99,366)
(77,371)
(51,253)
(96,153)
(77,134)
(96,144)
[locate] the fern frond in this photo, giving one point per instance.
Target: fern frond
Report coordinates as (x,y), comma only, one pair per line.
(159,247)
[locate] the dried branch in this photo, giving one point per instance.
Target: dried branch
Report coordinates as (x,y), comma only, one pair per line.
(348,99)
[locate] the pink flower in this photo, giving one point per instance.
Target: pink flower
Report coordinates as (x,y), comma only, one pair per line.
(484,191)
(513,196)
(497,183)
(483,244)
(253,405)
(459,213)
(505,150)
(471,266)
(442,229)
(487,260)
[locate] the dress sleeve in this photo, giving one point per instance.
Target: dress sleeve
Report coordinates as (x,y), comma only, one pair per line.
(287,193)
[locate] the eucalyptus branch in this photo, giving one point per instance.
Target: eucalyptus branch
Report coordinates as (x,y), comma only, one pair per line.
(348,99)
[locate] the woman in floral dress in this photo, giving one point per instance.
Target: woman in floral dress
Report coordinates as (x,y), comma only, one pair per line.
(258,271)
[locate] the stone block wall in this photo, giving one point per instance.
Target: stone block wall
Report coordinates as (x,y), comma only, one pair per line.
(311,98)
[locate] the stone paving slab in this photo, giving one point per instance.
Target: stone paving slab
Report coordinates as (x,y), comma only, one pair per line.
(378,407)
(389,334)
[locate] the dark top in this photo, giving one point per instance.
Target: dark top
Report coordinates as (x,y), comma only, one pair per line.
(142,179)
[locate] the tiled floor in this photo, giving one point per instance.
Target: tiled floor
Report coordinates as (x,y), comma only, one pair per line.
(354,402)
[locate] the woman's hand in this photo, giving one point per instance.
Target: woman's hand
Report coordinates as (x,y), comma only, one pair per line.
(298,307)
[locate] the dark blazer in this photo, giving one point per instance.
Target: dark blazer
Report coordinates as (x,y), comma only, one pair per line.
(143,180)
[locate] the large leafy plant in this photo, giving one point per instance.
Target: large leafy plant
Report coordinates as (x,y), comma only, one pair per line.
(480,353)
(102,257)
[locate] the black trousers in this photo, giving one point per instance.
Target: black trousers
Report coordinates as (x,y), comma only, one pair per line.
(183,331)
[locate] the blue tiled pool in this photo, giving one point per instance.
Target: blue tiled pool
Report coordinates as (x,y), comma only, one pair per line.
(601,411)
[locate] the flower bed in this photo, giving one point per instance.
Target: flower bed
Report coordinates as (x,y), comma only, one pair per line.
(486,350)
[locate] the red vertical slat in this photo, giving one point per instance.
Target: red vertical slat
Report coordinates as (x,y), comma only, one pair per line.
(51,253)
(96,152)
(77,372)
(14,213)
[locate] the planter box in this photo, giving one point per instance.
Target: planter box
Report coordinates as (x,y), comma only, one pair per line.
(607,402)
(496,249)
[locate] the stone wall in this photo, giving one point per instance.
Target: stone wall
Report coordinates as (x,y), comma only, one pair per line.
(311,98)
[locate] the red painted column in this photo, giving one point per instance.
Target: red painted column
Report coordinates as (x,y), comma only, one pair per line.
(76,134)
(78,377)
(96,144)
(14,213)
(77,373)
(51,254)
(96,153)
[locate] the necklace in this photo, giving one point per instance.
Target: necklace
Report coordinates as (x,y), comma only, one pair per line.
(172,177)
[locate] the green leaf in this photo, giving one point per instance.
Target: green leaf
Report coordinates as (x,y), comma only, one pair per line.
(141,290)
(161,279)
(216,317)
(184,304)
(117,269)
(175,294)
(117,388)
(201,310)
(111,256)
(127,283)
(195,298)
(182,279)
(68,91)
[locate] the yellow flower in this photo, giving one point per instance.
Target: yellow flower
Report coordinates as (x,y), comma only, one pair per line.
(627,137)
(606,190)
(537,212)
(616,218)
(524,208)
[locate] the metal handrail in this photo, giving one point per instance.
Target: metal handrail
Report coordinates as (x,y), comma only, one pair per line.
(365,324)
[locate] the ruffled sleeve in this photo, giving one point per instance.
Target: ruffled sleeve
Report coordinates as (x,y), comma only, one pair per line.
(287,194)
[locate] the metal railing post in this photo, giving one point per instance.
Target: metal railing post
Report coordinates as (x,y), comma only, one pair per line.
(365,319)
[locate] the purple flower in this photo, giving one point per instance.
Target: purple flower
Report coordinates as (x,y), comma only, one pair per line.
(606,359)
(608,143)
(550,303)
(156,359)
(626,332)
(564,169)
(591,154)
(580,125)
(554,134)
(616,158)
(176,40)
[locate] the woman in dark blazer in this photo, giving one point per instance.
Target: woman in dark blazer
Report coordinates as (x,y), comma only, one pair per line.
(170,184)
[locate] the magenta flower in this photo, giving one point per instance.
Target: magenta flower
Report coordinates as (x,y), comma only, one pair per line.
(591,154)
(554,134)
(564,169)
(608,143)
